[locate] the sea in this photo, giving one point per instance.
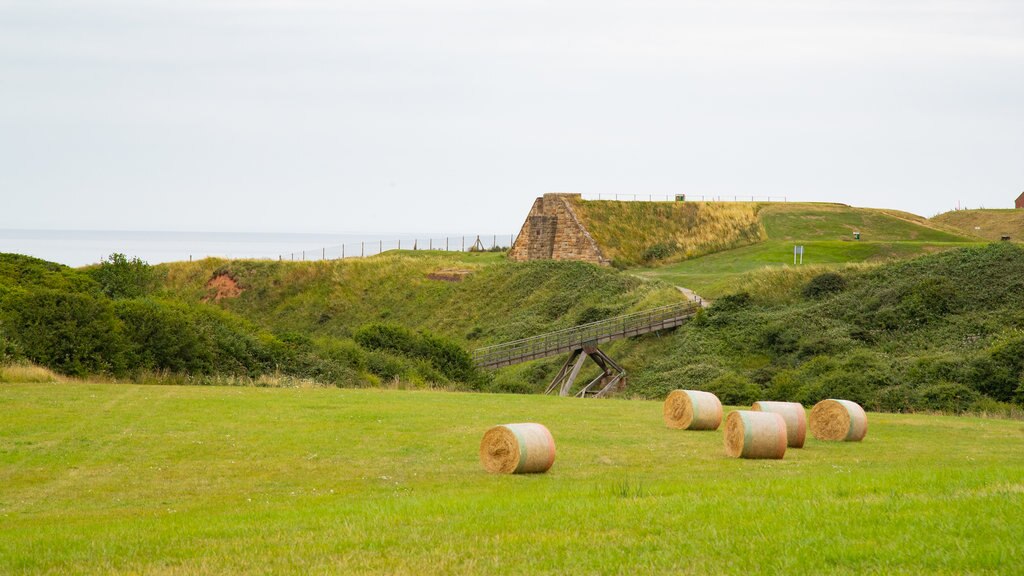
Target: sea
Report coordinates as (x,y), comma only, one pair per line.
(83,247)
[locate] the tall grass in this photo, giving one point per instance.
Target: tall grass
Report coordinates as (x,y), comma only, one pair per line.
(28,373)
(631,233)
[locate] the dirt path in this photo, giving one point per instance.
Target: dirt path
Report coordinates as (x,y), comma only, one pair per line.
(694,297)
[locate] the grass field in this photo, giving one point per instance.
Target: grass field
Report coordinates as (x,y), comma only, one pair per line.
(723,273)
(206,480)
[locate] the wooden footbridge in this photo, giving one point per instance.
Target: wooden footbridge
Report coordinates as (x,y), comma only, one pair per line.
(581,342)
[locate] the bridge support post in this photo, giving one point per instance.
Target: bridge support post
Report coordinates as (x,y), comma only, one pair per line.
(612,376)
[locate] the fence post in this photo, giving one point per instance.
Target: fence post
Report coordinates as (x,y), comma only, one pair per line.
(362,249)
(323,253)
(342,251)
(380,246)
(463,243)
(494,241)
(303,255)
(431,242)
(445,243)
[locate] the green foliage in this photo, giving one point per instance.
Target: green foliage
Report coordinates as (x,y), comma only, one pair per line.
(164,336)
(661,251)
(824,284)
(120,277)
(942,332)
(446,356)
(948,397)
(72,333)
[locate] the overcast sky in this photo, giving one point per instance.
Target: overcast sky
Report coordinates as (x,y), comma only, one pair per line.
(391,116)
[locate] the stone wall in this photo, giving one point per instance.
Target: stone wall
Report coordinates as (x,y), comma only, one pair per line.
(553,231)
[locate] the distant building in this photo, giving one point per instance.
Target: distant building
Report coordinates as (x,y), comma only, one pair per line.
(1020,201)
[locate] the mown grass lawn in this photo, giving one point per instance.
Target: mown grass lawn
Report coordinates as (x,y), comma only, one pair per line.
(161,479)
(721,273)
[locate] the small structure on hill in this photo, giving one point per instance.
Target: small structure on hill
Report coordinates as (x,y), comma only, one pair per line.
(1020,201)
(553,231)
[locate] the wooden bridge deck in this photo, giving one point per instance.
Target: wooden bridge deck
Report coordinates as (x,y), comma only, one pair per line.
(592,334)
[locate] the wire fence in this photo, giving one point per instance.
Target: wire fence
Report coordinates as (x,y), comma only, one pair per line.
(683,198)
(366,248)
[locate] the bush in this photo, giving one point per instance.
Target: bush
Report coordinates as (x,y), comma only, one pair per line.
(734,390)
(448,357)
(824,284)
(74,334)
(948,397)
(120,277)
(658,252)
(163,336)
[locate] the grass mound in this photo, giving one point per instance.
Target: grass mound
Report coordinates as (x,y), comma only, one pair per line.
(991,225)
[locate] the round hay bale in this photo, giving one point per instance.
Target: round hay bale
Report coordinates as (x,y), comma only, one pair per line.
(751,434)
(839,420)
(794,415)
(692,410)
(517,449)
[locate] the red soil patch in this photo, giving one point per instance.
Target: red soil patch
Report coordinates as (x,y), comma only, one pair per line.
(222,286)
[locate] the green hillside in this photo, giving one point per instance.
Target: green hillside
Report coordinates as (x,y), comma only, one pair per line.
(121,479)
(826,231)
(479,298)
(988,224)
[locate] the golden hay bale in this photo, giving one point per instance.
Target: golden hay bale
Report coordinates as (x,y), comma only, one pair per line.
(517,449)
(692,410)
(755,435)
(794,415)
(840,420)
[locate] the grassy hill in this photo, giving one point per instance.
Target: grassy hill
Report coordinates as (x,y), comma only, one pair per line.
(988,224)
(121,479)
(473,298)
(826,232)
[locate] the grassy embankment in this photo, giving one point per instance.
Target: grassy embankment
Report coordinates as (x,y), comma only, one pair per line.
(286,322)
(826,232)
(634,233)
(991,225)
(198,480)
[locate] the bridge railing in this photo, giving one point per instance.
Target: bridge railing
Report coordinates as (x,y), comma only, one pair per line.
(578,336)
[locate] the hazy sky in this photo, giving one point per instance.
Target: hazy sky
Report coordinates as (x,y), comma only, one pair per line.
(387,116)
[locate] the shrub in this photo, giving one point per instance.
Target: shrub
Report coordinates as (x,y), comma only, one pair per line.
(163,336)
(824,284)
(734,390)
(120,277)
(658,252)
(74,334)
(948,397)
(448,357)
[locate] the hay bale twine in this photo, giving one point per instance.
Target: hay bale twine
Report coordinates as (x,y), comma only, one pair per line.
(839,420)
(517,449)
(794,415)
(751,434)
(692,410)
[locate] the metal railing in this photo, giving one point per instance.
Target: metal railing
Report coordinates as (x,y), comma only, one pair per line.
(594,333)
